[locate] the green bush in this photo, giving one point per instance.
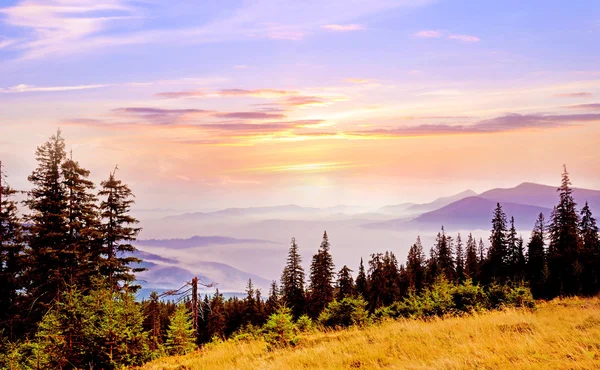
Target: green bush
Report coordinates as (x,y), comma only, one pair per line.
(280,330)
(469,298)
(305,324)
(520,296)
(345,313)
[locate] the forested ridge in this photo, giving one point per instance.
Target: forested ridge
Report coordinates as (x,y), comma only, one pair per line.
(67,274)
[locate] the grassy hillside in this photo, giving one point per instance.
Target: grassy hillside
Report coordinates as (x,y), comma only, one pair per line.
(562,334)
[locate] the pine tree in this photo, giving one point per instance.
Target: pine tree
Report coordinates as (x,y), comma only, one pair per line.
(362,287)
(415,266)
(345,283)
(443,252)
(292,281)
(377,282)
(12,262)
(180,336)
(250,309)
(536,258)
(511,249)
(460,260)
(272,303)
(498,252)
(118,233)
(83,241)
(47,228)
(471,261)
(216,317)
(482,262)
(565,244)
(590,254)
(322,272)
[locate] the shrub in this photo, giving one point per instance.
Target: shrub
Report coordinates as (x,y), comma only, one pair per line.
(345,313)
(520,296)
(305,324)
(280,330)
(469,298)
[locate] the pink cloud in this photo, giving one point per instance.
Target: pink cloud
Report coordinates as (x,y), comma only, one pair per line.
(343,27)
(465,38)
(429,34)
(574,95)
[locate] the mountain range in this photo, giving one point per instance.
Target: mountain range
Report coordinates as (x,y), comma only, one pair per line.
(258,237)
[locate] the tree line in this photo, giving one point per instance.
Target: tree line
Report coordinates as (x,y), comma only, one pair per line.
(68,276)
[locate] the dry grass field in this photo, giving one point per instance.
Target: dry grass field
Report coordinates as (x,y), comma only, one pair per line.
(561,334)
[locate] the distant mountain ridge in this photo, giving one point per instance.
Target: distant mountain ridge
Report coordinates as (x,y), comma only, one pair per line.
(524,202)
(541,195)
(199,241)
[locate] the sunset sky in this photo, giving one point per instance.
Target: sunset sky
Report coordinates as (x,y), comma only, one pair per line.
(212,104)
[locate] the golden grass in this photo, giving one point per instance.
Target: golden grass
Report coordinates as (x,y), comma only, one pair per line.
(561,334)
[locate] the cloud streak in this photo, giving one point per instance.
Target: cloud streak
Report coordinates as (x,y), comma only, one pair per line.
(574,95)
(23,88)
(343,27)
(436,34)
(593,106)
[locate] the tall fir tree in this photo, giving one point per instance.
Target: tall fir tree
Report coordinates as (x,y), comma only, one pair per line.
(47,228)
(565,244)
(272,303)
(216,317)
(322,275)
(250,309)
(118,232)
(12,262)
(362,284)
(511,249)
(443,253)
(345,284)
(590,253)
(292,281)
(415,266)
(481,261)
(460,260)
(536,258)
(83,240)
(498,251)
(471,261)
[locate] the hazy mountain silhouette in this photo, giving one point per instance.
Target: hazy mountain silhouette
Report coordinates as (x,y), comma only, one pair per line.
(199,241)
(476,213)
(541,195)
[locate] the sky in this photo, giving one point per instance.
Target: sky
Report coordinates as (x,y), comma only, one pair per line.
(212,104)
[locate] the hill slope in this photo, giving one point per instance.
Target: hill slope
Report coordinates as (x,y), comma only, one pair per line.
(562,334)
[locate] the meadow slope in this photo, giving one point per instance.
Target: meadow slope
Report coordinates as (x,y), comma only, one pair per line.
(561,334)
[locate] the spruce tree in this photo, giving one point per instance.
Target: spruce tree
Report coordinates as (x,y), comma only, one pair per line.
(415,266)
(498,252)
(12,262)
(590,253)
(272,303)
(345,283)
(47,228)
(83,240)
(536,258)
(322,272)
(482,261)
(471,262)
(362,286)
(511,249)
(563,250)
(216,317)
(180,336)
(460,260)
(118,232)
(292,281)
(250,309)
(443,252)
